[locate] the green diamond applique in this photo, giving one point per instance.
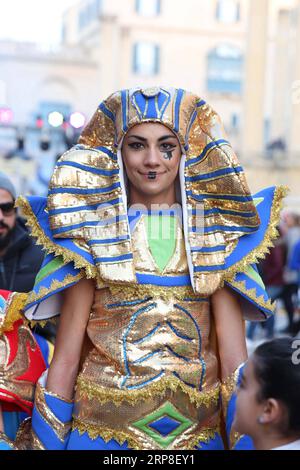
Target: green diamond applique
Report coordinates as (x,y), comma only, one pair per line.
(164,425)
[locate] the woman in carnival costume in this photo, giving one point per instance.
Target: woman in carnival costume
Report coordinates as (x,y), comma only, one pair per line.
(152,300)
(23,358)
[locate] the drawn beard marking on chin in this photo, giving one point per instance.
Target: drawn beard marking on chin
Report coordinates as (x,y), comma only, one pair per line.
(152,175)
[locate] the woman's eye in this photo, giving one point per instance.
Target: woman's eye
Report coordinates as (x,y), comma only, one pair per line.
(167,146)
(136,145)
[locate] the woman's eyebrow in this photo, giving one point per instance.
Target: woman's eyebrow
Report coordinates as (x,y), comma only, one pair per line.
(143,139)
(165,137)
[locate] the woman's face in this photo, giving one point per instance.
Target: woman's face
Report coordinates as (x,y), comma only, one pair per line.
(248,408)
(151,153)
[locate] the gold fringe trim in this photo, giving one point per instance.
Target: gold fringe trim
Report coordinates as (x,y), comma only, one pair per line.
(158,388)
(36,443)
(25,437)
(108,434)
(251,293)
(46,290)
(203,437)
(13,311)
(234,438)
(42,323)
(42,390)
(228,387)
(49,245)
(4,438)
(144,290)
(55,285)
(271,234)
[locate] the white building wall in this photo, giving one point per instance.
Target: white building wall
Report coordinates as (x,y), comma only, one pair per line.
(31,77)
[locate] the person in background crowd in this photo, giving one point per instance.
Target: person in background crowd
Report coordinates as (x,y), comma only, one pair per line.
(295,264)
(20,257)
(268,398)
(271,270)
(290,276)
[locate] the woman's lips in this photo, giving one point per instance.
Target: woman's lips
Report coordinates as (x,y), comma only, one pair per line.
(151,173)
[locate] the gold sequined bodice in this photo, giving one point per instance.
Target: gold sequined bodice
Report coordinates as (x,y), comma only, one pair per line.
(150,343)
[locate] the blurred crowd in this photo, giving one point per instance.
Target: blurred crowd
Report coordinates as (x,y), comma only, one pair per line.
(280,271)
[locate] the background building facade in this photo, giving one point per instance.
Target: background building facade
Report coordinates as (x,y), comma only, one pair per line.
(242,56)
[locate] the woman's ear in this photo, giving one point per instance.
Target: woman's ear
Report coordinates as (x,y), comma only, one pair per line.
(273,412)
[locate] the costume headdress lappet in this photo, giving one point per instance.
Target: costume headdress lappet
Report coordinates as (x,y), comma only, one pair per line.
(84,227)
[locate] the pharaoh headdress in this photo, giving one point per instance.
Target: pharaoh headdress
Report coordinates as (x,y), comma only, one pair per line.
(85,219)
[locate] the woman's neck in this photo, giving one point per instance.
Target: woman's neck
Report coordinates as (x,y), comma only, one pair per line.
(272,440)
(165,199)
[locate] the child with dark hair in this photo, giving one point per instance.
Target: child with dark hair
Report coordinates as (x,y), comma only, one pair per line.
(268,398)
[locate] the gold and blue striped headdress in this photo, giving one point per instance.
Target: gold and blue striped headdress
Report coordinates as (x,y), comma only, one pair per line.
(86,198)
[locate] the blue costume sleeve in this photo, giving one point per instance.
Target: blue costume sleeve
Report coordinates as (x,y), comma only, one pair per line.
(51,419)
(254,299)
(242,274)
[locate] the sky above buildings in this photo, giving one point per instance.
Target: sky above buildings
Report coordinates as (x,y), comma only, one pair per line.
(40,20)
(33,20)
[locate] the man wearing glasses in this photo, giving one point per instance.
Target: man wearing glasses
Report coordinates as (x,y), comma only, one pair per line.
(20,258)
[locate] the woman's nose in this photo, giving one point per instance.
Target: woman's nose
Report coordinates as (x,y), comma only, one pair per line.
(152,157)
